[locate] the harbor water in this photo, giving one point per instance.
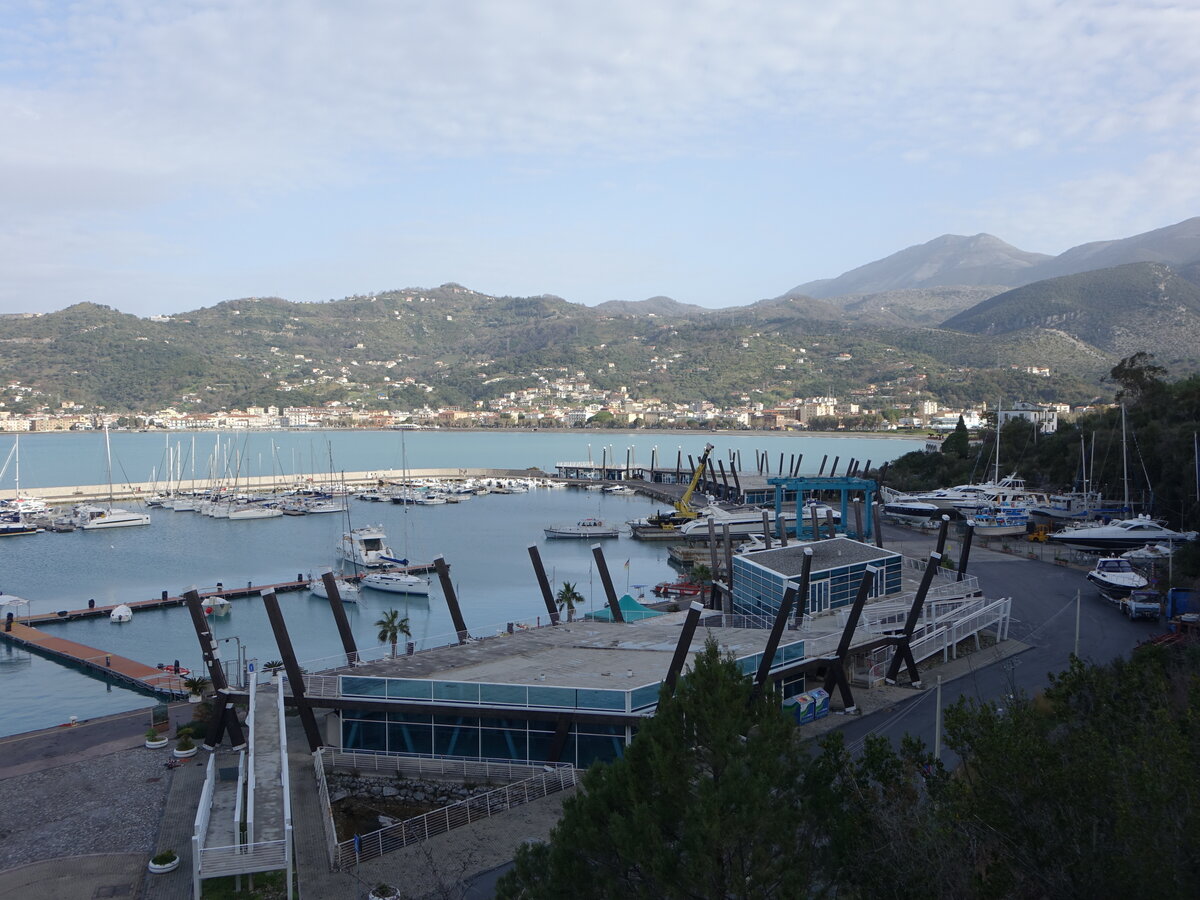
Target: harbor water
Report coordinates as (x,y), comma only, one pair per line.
(484,540)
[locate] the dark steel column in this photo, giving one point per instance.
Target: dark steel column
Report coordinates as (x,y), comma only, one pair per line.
(737,482)
(606,580)
(295,677)
(339,616)
(966,552)
(824,459)
(805,580)
(942,531)
(876,521)
(829,523)
(682,646)
(727,539)
(725,491)
(764,668)
(796,468)
(544,583)
(443,573)
(225,718)
(858,519)
(836,673)
(904,652)
(816,531)
(833,468)
(767,527)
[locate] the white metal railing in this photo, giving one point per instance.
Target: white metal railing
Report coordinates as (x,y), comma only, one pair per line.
(426,766)
(251,764)
(473,809)
(264,856)
(326,808)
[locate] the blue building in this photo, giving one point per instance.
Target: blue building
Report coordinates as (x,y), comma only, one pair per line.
(761,578)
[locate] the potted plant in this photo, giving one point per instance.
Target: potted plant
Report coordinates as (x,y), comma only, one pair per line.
(167,861)
(196,686)
(384,891)
(155,740)
(185,747)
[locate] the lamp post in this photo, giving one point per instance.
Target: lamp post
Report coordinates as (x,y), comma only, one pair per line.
(241,659)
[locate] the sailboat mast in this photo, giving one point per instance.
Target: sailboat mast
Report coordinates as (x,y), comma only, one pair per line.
(1124,460)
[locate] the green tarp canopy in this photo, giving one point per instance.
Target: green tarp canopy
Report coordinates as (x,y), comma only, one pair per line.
(630,609)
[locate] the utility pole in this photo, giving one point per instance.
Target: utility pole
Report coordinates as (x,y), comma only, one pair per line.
(937,723)
(1077,596)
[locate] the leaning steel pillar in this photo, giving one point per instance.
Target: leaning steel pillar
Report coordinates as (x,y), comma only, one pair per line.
(805,581)
(225,718)
(544,583)
(903,653)
(339,616)
(682,646)
(875,521)
(837,669)
(614,605)
(858,519)
(966,551)
(768,657)
(943,529)
(456,616)
(725,489)
(295,676)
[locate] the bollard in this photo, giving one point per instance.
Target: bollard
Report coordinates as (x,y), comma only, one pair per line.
(107,662)
(91,604)
(165,595)
(410,648)
(73,721)
(510,627)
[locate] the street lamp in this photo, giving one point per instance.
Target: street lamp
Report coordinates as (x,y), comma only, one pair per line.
(241,659)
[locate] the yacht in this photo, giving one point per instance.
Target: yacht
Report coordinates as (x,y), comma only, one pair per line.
(90,518)
(585,528)
(396,583)
(742,521)
(1116,578)
(1123,534)
(365,546)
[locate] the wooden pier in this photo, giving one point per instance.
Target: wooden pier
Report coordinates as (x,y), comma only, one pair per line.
(131,672)
(220,591)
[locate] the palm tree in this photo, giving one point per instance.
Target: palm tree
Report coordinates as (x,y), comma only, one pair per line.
(570,598)
(702,575)
(391,625)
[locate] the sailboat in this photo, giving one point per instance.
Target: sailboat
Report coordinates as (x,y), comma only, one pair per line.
(13,512)
(91,518)
(398,582)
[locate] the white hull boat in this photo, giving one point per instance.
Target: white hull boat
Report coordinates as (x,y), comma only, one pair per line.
(396,583)
(92,518)
(1125,534)
(999,521)
(347,590)
(365,546)
(255,512)
(121,614)
(1116,578)
(742,522)
(583,530)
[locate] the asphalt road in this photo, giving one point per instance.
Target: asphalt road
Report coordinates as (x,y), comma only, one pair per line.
(1043,616)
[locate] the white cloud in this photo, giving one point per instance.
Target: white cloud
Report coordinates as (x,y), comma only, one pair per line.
(128,106)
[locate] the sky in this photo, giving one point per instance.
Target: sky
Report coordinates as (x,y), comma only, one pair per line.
(158,157)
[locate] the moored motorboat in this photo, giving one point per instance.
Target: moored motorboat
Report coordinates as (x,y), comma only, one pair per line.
(365,546)
(91,518)
(583,529)
(999,521)
(676,589)
(120,614)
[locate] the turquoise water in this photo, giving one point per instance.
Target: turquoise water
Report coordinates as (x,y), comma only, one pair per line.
(484,540)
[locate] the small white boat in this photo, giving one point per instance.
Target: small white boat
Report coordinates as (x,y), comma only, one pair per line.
(217,606)
(365,546)
(396,583)
(1125,534)
(584,528)
(619,489)
(121,614)
(1116,577)
(346,589)
(1150,553)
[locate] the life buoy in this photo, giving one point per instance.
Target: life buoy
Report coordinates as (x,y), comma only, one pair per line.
(208,610)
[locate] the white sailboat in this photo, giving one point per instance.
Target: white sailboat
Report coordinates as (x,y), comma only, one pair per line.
(92,518)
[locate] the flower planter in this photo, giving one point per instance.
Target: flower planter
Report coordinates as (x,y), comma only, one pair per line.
(184,754)
(194,698)
(159,869)
(157,743)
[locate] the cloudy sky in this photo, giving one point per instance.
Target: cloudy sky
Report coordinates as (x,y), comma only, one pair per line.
(163,156)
